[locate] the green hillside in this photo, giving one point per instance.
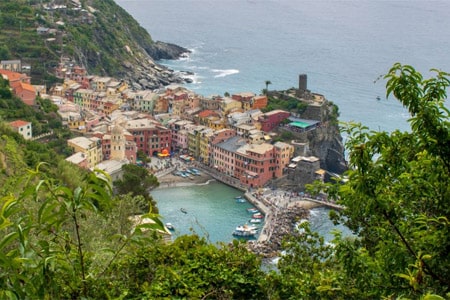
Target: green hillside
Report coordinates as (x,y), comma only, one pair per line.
(97,34)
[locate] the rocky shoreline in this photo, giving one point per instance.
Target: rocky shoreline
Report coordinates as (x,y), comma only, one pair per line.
(283,225)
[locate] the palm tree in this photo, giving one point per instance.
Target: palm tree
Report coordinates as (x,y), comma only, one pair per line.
(267,84)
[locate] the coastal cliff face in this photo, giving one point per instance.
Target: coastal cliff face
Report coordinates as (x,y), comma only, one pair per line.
(96,34)
(324,142)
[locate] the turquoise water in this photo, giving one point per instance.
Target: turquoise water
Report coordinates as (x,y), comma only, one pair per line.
(212,211)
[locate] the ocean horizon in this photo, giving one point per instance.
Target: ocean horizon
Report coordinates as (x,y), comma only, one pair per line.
(344,47)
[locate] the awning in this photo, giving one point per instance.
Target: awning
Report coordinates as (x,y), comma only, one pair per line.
(299,124)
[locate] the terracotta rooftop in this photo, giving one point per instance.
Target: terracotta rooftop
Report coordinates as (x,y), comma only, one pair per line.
(19,123)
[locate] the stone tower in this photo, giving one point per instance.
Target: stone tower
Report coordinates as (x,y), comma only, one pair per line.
(302,91)
(117,143)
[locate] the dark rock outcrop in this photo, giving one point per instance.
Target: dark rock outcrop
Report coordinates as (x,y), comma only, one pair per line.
(161,50)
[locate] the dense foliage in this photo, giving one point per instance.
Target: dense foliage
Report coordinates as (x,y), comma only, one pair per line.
(71,238)
(396,197)
(137,181)
(286,103)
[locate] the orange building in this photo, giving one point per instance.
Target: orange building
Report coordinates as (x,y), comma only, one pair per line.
(20,84)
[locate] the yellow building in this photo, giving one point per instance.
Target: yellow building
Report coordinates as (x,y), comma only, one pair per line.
(204,141)
(90,147)
(227,105)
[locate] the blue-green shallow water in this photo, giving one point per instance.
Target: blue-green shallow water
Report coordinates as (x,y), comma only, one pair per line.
(212,211)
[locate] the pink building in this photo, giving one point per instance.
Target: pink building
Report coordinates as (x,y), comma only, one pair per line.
(224,155)
(253,164)
(283,155)
(179,134)
(150,137)
(272,119)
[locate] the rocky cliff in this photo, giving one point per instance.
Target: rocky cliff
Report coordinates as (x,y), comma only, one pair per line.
(324,142)
(96,34)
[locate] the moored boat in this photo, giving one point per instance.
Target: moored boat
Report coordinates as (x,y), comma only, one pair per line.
(245,231)
(255,221)
(252,210)
(258,216)
(170,226)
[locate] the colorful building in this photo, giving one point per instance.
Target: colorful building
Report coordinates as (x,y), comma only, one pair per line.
(150,137)
(224,155)
(90,147)
(21,86)
(272,119)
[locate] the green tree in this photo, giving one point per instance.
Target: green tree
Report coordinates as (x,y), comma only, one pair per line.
(190,268)
(267,82)
(396,200)
(143,157)
(137,181)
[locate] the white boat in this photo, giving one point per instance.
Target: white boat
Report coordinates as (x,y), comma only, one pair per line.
(245,230)
(252,210)
(258,216)
(255,221)
(170,226)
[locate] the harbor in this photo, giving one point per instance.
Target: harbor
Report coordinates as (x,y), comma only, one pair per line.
(281,209)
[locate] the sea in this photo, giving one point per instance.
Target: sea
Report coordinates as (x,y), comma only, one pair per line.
(344,47)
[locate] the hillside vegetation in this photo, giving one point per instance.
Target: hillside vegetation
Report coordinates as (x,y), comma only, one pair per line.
(64,234)
(97,34)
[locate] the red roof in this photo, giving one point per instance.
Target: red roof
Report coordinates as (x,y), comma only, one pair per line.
(19,123)
(206,113)
(13,76)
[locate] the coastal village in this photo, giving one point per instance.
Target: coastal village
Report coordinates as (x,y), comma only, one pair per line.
(228,137)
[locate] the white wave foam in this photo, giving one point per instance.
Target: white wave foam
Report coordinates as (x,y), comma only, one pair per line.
(223,73)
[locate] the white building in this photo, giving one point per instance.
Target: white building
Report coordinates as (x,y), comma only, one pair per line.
(22,127)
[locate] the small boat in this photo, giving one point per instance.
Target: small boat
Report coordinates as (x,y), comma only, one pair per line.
(245,231)
(241,200)
(258,216)
(195,171)
(252,210)
(255,221)
(238,197)
(170,226)
(183,210)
